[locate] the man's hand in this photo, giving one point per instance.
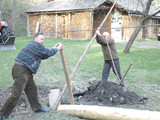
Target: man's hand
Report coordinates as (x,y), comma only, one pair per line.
(98,32)
(59,46)
(56,45)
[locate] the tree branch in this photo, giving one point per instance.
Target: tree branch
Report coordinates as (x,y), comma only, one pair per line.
(155,13)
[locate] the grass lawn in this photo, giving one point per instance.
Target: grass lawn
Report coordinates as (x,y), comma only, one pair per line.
(142,78)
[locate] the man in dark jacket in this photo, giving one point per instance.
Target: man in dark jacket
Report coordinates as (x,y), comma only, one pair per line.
(103,40)
(27,64)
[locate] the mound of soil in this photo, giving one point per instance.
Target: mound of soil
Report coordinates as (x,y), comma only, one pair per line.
(106,94)
(109,94)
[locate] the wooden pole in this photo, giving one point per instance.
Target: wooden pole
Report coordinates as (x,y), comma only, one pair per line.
(60,96)
(56,35)
(126,72)
(108,113)
(83,55)
(37,27)
(113,63)
(67,76)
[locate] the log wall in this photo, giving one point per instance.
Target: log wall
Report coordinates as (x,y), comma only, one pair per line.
(33,19)
(71,25)
(67,24)
(127,32)
(80,21)
(98,18)
(153,31)
(48,24)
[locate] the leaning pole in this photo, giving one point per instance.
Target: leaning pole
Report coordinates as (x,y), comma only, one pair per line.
(82,57)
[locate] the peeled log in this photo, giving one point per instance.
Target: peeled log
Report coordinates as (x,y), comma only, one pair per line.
(108,113)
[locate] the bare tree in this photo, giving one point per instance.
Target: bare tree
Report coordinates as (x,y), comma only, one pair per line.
(0,9)
(144,16)
(13,15)
(0,5)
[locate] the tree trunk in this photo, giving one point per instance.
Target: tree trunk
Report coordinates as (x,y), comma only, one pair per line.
(0,5)
(0,10)
(137,30)
(108,113)
(13,15)
(133,37)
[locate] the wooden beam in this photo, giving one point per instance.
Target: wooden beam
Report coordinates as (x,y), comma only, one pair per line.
(113,63)
(56,27)
(28,28)
(131,19)
(67,76)
(108,113)
(84,53)
(91,23)
(37,27)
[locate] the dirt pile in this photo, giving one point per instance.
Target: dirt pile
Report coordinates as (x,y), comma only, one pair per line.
(106,94)
(109,94)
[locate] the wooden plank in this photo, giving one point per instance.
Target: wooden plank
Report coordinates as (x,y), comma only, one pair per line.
(37,27)
(56,34)
(28,28)
(67,76)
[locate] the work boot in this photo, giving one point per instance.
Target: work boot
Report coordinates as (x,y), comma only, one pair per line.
(41,110)
(1,117)
(122,84)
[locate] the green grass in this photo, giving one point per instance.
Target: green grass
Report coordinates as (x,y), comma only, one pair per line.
(142,78)
(151,40)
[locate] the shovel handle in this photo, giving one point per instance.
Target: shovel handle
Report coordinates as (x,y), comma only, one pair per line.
(126,72)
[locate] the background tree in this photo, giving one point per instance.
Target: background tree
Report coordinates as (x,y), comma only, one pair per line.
(144,16)
(0,9)
(13,15)
(13,12)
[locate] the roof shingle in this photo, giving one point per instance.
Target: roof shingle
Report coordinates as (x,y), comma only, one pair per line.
(77,5)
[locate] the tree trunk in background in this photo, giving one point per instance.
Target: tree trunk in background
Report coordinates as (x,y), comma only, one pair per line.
(0,10)
(0,5)
(13,15)
(137,30)
(133,37)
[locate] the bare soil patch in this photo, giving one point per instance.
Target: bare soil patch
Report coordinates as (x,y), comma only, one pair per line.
(106,94)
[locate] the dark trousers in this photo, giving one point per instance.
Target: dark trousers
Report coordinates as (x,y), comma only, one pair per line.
(23,81)
(107,66)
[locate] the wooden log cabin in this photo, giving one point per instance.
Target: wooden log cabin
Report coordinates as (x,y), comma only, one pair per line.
(78,19)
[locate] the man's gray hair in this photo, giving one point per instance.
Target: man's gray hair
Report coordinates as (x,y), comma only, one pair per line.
(106,34)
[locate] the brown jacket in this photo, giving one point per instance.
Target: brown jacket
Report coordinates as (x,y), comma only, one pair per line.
(103,42)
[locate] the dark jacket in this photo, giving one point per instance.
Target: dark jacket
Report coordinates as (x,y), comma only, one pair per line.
(103,42)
